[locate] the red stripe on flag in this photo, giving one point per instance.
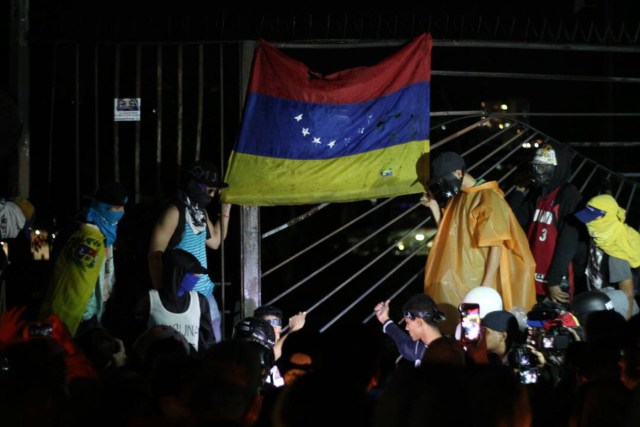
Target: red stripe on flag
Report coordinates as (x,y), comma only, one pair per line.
(276,74)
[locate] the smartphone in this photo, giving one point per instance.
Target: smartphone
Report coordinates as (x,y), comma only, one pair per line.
(529,376)
(40,330)
(470,321)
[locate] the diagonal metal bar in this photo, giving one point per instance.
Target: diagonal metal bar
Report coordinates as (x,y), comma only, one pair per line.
(375,285)
(343,254)
(333,233)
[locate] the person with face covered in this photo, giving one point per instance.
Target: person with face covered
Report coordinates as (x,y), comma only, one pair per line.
(176,304)
(479,241)
(614,251)
(200,184)
(83,274)
(545,209)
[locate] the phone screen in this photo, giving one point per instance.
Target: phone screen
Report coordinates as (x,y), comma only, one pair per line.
(38,330)
(470,321)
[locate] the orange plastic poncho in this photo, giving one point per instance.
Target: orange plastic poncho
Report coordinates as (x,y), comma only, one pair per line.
(471,223)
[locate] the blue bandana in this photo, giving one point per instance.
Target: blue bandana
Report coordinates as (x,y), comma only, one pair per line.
(107,220)
(188,282)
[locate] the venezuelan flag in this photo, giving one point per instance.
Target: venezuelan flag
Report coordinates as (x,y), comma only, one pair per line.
(352,135)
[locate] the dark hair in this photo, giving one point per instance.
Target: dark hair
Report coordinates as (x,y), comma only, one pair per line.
(421,305)
(267,310)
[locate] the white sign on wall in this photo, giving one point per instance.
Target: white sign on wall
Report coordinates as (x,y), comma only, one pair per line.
(126,109)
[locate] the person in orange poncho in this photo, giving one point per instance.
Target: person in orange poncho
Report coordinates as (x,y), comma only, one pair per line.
(479,241)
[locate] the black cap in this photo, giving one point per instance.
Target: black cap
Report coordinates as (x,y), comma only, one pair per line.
(205,173)
(444,164)
(500,321)
(111,193)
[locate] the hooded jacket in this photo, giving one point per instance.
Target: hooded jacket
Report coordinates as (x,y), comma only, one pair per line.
(568,199)
(175,267)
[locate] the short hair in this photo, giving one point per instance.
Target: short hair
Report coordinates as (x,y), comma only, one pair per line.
(421,305)
(267,310)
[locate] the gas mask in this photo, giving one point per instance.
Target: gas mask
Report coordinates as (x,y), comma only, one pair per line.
(450,185)
(542,174)
(197,195)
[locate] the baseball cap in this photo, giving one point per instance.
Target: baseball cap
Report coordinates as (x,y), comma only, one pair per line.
(500,321)
(205,173)
(112,193)
(444,164)
(589,213)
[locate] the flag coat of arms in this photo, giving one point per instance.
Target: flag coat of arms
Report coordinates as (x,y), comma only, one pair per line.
(352,135)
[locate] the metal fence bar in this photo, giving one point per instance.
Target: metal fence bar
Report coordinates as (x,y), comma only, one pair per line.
(137,124)
(342,255)
(158,117)
(180,124)
(116,125)
(398,291)
(333,233)
(77,125)
(378,283)
(295,220)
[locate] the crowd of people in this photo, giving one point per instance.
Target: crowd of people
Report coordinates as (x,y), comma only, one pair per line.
(503,334)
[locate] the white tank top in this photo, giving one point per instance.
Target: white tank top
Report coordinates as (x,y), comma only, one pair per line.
(187,323)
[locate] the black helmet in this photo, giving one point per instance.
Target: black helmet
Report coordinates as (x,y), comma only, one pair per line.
(258,331)
(590,301)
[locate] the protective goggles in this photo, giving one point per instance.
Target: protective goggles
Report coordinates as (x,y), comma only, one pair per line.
(275,322)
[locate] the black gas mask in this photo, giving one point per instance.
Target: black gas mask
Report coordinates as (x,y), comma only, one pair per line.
(542,174)
(199,195)
(450,185)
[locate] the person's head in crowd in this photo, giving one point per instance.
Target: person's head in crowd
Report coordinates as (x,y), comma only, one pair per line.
(299,355)
(605,328)
(605,221)
(422,316)
(160,341)
(226,388)
(201,180)
(107,209)
(273,315)
(260,334)
(543,165)
(15,215)
(486,297)
(444,351)
(447,173)
(501,332)
(181,271)
(587,302)
(320,398)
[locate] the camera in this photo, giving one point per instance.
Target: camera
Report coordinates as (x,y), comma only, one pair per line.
(39,330)
(524,362)
(554,337)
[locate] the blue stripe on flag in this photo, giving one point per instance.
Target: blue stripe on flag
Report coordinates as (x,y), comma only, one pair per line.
(281,128)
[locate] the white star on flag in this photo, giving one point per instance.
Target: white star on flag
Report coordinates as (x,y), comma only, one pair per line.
(331,143)
(305,131)
(298,117)
(316,140)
